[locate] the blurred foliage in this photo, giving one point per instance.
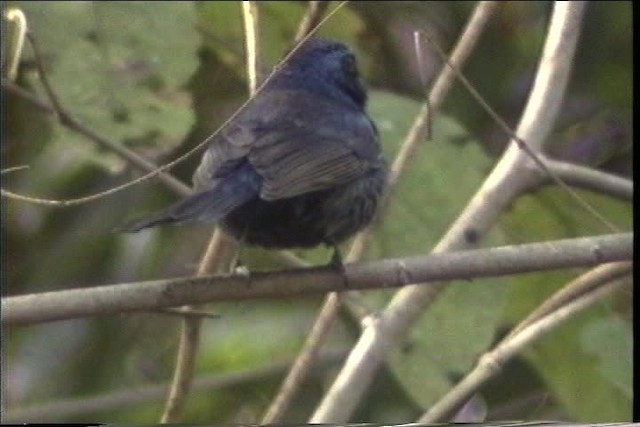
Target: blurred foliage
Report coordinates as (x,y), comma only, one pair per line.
(161,76)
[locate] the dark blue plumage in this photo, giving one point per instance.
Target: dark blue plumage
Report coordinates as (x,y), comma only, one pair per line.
(300,166)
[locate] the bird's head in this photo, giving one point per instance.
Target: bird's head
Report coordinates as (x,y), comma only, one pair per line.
(326,67)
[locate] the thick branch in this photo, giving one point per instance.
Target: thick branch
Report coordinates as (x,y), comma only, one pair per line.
(142,296)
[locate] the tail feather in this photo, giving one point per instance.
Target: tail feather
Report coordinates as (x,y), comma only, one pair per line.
(191,208)
(207,205)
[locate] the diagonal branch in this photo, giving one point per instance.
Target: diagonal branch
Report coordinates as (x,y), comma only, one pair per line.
(66,119)
(64,408)
(596,284)
(505,183)
(591,179)
(311,19)
(213,256)
(166,166)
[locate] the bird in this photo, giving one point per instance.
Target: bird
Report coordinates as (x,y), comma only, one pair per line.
(300,166)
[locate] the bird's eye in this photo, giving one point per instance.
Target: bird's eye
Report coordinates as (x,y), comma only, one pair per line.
(349,64)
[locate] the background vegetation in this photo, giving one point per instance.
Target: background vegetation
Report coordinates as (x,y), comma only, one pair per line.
(159,77)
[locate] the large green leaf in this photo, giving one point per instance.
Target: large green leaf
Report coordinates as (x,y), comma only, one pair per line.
(119,67)
(582,365)
(443,174)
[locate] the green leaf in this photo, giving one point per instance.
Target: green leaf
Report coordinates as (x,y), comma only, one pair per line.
(443,174)
(223,30)
(610,340)
(587,382)
(119,67)
(448,339)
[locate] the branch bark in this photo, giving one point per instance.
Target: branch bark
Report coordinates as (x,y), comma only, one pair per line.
(469,264)
(590,179)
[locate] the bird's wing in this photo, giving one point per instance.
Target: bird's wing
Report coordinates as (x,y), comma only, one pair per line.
(226,153)
(297,143)
(296,157)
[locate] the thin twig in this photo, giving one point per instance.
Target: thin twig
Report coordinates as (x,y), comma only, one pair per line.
(183,372)
(66,119)
(252,42)
(522,144)
(86,405)
(311,19)
(304,362)
(416,135)
(44,77)
(212,258)
(420,127)
(190,334)
(466,264)
(188,313)
(329,310)
(14,49)
(13,169)
(491,363)
(180,159)
(577,287)
(590,179)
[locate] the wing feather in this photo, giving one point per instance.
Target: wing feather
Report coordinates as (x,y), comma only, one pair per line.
(297,143)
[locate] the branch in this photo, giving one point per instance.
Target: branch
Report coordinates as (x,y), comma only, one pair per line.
(582,285)
(66,119)
(13,50)
(416,135)
(506,182)
(591,179)
(69,121)
(207,141)
(190,331)
(311,19)
(304,362)
(212,259)
(600,284)
(329,310)
(250,19)
(73,407)
(466,265)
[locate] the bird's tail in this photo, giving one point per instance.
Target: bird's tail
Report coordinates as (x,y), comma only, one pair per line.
(207,205)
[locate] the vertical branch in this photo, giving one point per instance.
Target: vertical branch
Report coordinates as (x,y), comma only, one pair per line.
(212,258)
(503,185)
(311,18)
(250,15)
(420,127)
(14,50)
